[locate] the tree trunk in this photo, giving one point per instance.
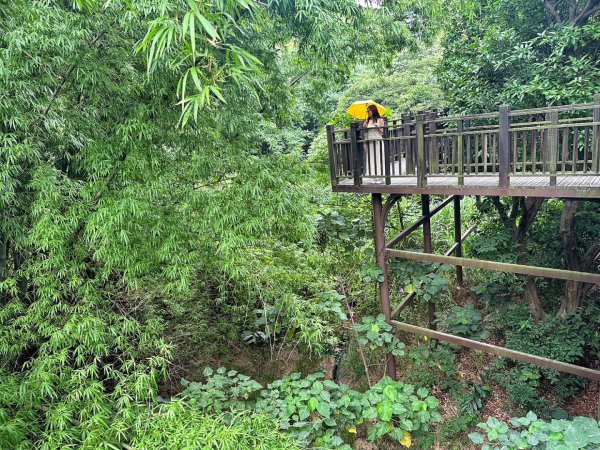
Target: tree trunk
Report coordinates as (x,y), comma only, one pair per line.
(535,305)
(574,290)
(530,208)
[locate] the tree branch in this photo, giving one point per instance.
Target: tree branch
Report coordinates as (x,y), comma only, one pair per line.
(552,10)
(530,210)
(297,79)
(572,9)
(500,208)
(590,256)
(592,7)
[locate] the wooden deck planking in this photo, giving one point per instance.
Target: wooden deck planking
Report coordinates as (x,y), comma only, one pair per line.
(583,186)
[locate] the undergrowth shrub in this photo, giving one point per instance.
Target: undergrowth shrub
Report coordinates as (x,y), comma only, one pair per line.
(454,426)
(530,432)
(574,339)
(377,333)
(180,425)
(321,412)
(430,364)
(494,242)
(420,278)
(464,321)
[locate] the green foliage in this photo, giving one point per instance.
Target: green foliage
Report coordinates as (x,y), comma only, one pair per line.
(420,278)
(409,84)
(377,333)
(464,321)
(473,399)
(309,322)
(531,432)
(573,339)
(119,229)
(318,411)
(219,47)
(454,426)
(372,272)
(223,390)
(493,241)
(335,229)
(515,52)
(399,410)
(431,364)
(179,425)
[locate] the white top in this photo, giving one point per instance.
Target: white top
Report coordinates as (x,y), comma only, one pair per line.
(374,133)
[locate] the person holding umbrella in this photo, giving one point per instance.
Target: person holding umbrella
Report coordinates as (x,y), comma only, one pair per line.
(374,133)
(373,123)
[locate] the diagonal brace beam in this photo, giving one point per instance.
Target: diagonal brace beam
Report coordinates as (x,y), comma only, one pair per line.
(404,233)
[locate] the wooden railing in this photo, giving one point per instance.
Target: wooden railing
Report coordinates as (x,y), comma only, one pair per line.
(552,141)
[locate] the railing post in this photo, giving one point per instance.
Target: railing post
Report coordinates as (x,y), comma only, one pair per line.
(553,144)
(407,145)
(421,150)
(460,153)
(434,149)
(466,126)
(596,136)
(332,156)
(504,146)
(357,157)
(386,152)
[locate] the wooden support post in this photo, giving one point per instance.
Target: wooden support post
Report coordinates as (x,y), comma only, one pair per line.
(384,287)
(428,248)
(596,146)
(387,160)
(332,156)
(458,238)
(504,147)
(553,144)
(421,152)
(356,154)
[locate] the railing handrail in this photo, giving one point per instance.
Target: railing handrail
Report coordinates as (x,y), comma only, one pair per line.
(481,116)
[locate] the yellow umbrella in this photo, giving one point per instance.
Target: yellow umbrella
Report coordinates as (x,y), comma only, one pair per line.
(359,109)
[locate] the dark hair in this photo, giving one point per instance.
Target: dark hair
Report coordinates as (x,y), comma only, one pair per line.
(375,111)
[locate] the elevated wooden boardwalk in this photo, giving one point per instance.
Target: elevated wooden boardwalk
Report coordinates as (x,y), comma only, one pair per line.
(542,152)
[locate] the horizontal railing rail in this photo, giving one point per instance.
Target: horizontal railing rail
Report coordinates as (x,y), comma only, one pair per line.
(550,142)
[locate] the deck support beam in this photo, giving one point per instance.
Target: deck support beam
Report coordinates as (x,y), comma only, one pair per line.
(584,372)
(384,286)
(559,274)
